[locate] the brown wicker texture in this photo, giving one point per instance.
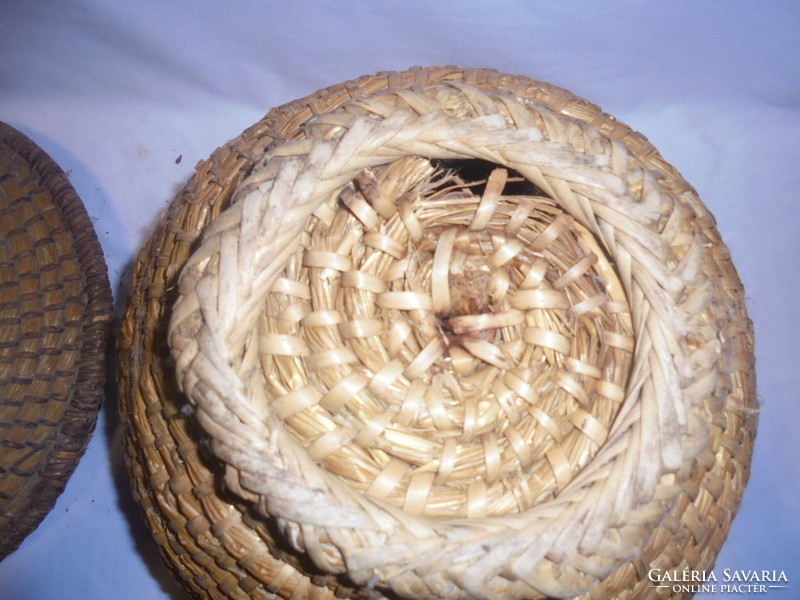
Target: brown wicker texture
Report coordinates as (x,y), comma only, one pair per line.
(456,334)
(55,317)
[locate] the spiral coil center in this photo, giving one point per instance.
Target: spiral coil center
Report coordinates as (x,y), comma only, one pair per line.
(444,346)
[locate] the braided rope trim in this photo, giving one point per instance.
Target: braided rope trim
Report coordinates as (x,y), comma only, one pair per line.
(647,229)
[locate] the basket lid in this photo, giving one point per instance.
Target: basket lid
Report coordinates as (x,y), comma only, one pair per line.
(55,315)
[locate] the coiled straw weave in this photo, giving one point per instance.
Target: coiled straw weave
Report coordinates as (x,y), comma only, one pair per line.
(55,320)
(456,334)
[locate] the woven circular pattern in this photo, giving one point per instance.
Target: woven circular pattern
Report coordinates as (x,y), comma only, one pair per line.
(55,314)
(433,383)
(227,351)
(458,379)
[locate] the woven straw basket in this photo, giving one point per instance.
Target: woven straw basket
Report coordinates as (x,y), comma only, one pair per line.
(448,334)
(55,319)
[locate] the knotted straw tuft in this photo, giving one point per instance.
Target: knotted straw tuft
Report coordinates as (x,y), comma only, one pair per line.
(439,386)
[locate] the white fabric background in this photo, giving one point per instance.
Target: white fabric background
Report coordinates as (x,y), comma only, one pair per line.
(116,92)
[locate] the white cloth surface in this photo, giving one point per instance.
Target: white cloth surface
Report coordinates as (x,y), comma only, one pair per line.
(116,92)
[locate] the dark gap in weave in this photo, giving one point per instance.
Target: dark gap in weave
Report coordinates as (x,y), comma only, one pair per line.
(475,170)
(475,173)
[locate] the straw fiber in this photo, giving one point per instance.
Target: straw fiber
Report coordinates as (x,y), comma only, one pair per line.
(55,314)
(437,334)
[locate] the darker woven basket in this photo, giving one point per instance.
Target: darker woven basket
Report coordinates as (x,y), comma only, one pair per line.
(55,316)
(572,278)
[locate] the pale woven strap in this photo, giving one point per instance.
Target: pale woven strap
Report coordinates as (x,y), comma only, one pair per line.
(608,509)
